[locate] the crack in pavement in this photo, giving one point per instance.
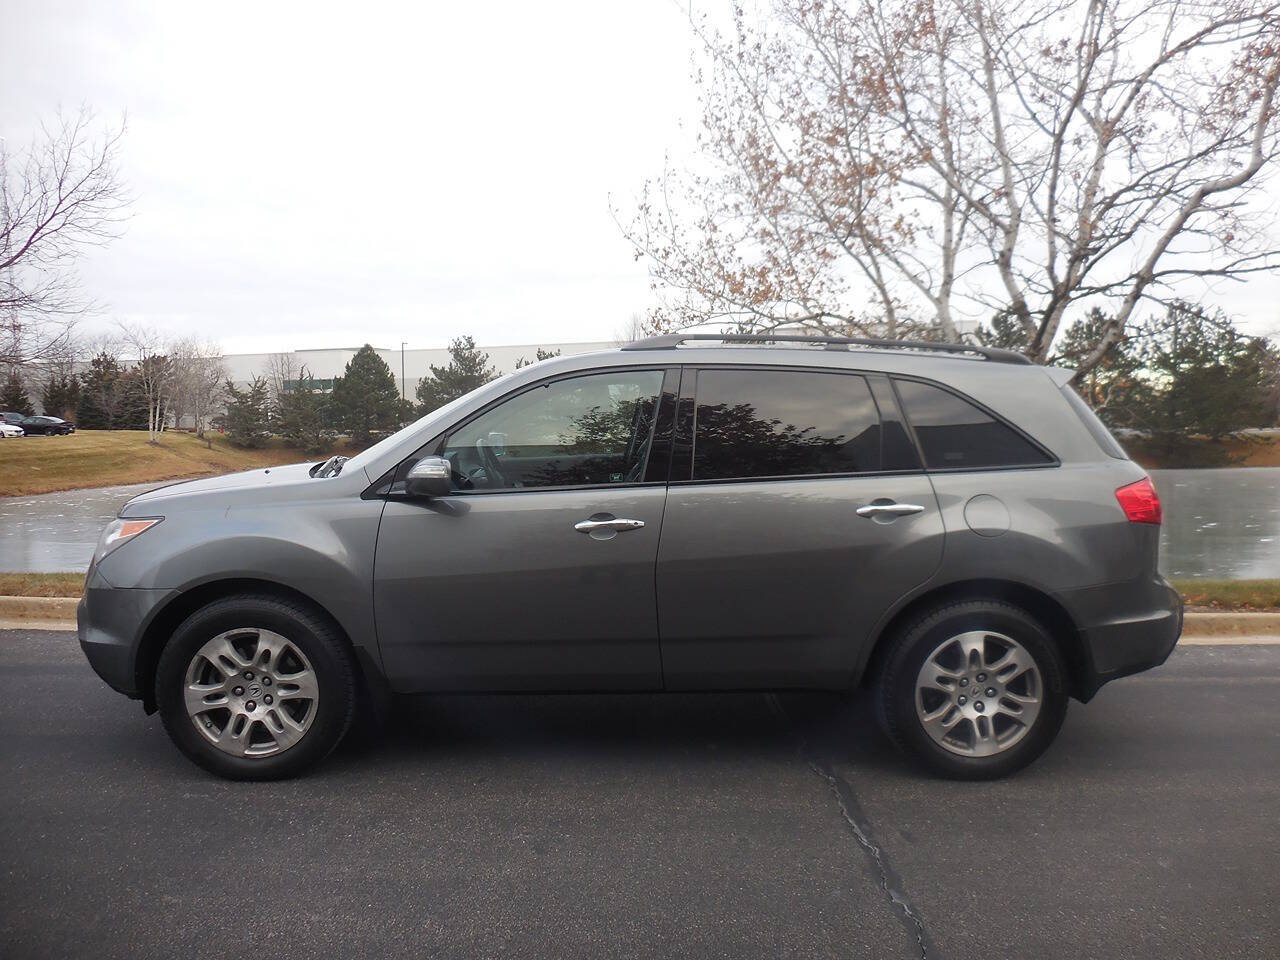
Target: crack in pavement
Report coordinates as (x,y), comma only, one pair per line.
(851,810)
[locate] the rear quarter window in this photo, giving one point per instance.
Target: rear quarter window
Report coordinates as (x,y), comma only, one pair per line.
(955,434)
(1097,429)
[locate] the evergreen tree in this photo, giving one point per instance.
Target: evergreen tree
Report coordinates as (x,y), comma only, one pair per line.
(131,407)
(99,394)
(61,396)
(13,396)
(468,369)
(1109,386)
(541,355)
(303,416)
(1005,332)
(248,416)
(1199,377)
(366,401)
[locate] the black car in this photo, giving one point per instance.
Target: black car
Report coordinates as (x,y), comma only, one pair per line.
(14,418)
(47,425)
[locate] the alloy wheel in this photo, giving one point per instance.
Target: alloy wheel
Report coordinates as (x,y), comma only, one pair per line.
(978,693)
(251,692)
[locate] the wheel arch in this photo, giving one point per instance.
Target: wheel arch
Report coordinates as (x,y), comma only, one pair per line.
(170,617)
(1043,606)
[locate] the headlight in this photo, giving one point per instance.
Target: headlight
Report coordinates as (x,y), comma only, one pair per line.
(121,529)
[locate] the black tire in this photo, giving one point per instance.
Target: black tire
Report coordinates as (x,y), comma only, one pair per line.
(896,687)
(313,634)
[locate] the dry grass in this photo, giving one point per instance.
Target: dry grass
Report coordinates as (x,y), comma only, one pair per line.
(101,458)
(41,584)
(1231,594)
(1235,452)
(1209,594)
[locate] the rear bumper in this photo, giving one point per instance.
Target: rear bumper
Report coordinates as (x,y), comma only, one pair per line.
(1138,631)
(110,623)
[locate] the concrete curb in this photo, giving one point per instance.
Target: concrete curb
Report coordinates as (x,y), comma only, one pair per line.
(59,613)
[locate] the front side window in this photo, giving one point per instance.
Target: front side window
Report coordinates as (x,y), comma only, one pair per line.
(956,435)
(581,431)
(783,423)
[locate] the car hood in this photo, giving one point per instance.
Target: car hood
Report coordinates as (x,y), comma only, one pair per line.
(247,481)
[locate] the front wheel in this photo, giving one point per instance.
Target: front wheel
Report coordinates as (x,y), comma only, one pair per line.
(255,687)
(973,690)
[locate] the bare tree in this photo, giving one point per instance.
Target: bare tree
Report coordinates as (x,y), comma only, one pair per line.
(60,195)
(155,373)
(899,167)
(636,327)
(282,370)
(198,374)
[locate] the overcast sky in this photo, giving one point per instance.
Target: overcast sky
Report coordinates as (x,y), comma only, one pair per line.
(313,175)
(310,175)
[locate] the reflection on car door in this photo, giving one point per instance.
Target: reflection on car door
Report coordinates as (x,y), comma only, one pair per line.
(796,515)
(538,572)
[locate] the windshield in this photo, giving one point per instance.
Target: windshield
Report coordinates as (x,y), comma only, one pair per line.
(367,456)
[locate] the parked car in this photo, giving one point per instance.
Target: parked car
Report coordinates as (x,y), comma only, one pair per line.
(10,417)
(49,426)
(947,526)
(10,429)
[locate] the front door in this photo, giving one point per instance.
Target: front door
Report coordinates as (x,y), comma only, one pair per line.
(799,515)
(537,573)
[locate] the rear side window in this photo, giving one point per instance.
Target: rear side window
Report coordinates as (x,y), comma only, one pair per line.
(783,423)
(954,434)
(1110,446)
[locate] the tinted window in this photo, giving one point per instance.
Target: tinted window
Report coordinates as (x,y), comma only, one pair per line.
(955,434)
(584,430)
(782,423)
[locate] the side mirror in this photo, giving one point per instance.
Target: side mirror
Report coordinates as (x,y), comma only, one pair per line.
(429,477)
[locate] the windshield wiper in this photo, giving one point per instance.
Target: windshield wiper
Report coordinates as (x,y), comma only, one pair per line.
(331,467)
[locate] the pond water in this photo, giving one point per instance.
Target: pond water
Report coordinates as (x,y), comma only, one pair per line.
(55,532)
(1218,523)
(1222,524)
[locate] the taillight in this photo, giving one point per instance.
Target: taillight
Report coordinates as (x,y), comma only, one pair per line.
(1140,502)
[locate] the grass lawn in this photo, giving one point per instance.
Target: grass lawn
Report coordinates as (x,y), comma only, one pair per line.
(1211,594)
(100,458)
(1231,594)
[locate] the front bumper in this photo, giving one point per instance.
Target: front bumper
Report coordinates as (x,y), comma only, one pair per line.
(1126,628)
(110,623)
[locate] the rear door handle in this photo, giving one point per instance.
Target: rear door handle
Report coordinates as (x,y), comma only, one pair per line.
(590,526)
(890,509)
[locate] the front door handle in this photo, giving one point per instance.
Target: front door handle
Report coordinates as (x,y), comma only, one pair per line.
(889,509)
(591,526)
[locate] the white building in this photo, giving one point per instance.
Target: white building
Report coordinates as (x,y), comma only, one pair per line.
(412,365)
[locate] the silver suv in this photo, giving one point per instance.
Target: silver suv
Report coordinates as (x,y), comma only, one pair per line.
(948,525)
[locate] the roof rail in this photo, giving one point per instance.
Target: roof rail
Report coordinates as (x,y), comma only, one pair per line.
(671,340)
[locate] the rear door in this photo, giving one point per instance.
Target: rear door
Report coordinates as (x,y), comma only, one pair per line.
(797,514)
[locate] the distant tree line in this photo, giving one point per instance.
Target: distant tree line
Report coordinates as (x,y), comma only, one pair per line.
(1173,377)
(161,383)
(363,404)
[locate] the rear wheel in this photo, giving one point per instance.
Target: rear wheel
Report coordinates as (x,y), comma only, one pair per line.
(973,690)
(256,688)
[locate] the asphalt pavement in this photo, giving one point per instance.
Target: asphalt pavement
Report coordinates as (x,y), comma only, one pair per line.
(738,825)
